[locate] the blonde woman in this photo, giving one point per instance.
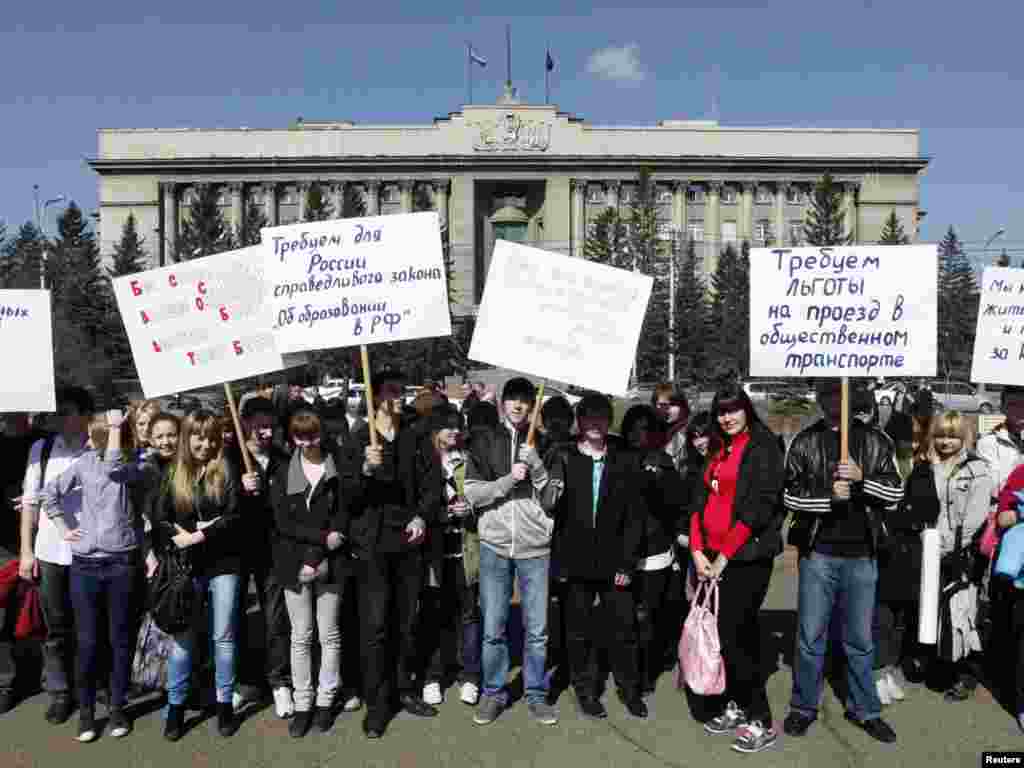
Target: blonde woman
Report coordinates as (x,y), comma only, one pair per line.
(140,418)
(199,512)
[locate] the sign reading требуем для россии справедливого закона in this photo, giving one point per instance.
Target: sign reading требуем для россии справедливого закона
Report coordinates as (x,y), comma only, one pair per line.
(843,311)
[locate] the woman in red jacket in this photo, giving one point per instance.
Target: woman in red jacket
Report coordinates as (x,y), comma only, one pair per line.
(734,537)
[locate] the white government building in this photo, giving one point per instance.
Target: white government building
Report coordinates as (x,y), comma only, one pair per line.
(515,171)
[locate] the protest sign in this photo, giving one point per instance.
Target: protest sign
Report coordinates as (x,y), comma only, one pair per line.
(26,343)
(199,322)
(349,282)
(843,311)
(560,318)
(999,337)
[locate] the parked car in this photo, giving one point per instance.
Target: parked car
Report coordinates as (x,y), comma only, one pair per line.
(961,396)
(763,391)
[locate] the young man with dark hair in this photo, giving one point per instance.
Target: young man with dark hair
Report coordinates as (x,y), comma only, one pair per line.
(600,537)
(838,509)
(258,418)
(508,486)
(45,555)
(380,519)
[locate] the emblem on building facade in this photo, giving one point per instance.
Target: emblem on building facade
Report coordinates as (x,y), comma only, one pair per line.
(511,133)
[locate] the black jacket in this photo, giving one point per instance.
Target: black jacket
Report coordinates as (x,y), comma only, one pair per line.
(257,511)
(378,507)
(221,552)
(758,500)
(597,553)
(667,501)
(303,523)
(821,524)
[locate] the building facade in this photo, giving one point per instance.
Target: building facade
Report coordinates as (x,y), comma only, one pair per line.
(514,171)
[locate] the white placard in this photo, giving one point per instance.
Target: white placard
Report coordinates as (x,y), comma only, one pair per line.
(346,282)
(26,343)
(843,311)
(999,337)
(560,318)
(199,322)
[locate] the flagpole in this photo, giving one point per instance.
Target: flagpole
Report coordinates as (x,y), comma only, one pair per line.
(469,71)
(508,56)
(547,75)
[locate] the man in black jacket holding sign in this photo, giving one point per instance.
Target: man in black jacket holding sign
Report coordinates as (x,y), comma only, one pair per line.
(838,509)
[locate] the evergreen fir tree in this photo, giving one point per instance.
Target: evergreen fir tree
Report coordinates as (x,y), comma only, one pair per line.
(728,330)
(22,258)
(422,200)
(892,231)
(652,258)
(254,221)
(958,307)
(825,219)
(129,255)
(75,275)
(204,231)
(318,205)
(691,317)
(607,241)
(354,206)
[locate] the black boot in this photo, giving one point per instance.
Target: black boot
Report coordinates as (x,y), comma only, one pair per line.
(60,709)
(227,723)
(174,727)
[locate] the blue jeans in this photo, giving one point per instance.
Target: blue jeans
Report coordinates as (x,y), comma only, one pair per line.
(496,574)
(223,592)
(846,585)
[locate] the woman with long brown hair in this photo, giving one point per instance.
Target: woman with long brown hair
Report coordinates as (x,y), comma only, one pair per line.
(198,512)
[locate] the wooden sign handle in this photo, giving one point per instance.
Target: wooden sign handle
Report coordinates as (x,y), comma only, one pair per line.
(371,419)
(844,429)
(240,436)
(531,436)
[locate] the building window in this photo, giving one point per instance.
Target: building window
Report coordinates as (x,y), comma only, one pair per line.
(763,195)
(729,233)
(796,232)
(288,206)
(390,194)
(595,195)
(627,195)
(663,194)
(763,231)
(696,231)
(695,194)
(664,230)
(729,195)
(795,195)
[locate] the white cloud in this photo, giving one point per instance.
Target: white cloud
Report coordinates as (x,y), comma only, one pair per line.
(613,63)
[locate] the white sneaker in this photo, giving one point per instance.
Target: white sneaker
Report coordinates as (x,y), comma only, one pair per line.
(283,704)
(237,700)
(352,704)
(897,693)
(432,694)
(882,686)
(470,694)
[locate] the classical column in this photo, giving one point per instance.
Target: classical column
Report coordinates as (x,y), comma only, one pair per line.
(781,236)
(373,197)
(679,189)
(302,190)
(578,186)
(405,190)
(170,228)
(236,204)
(441,201)
(270,203)
(850,209)
(713,226)
(746,222)
(338,198)
(613,193)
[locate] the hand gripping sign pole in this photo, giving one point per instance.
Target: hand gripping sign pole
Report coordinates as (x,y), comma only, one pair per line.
(240,436)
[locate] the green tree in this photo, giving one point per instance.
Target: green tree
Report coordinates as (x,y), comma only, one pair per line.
(204,231)
(22,258)
(252,223)
(607,241)
(892,231)
(691,316)
(318,205)
(422,200)
(75,276)
(825,224)
(354,204)
(129,254)
(728,330)
(958,307)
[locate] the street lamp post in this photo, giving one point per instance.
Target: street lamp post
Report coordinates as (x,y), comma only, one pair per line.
(998,233)
(40,211)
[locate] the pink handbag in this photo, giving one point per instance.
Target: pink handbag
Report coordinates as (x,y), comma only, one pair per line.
(701,666)
(990,536)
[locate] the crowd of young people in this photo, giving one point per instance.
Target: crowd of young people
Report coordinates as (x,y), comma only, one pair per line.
(397,544)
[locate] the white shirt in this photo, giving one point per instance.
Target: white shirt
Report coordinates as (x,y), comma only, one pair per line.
(50,545)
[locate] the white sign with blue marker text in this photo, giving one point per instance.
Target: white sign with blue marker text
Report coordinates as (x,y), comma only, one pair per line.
(999,337)
(26,342)
(348,282)
(848,310)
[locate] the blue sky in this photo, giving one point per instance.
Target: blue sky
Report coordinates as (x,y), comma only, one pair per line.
(954,73)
